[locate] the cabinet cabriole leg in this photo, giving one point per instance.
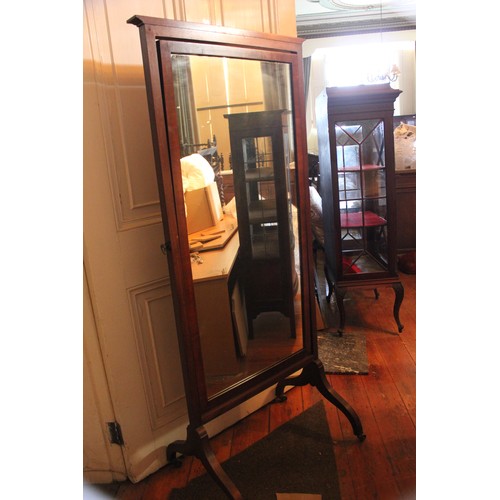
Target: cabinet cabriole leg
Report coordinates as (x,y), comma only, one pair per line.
(399,292)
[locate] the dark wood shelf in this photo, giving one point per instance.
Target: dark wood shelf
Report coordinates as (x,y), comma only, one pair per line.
(262,211)
(259,174)
(266,245)
(362,168)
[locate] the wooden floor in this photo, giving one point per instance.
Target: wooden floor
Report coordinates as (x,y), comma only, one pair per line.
(384,465)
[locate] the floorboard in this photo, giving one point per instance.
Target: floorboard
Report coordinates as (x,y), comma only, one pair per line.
(368,462)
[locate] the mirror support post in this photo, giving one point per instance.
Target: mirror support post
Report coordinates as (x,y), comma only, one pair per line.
(165,44)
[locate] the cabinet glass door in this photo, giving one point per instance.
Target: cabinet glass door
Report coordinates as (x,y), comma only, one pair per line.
(362,195)
(258,166)
(260,160)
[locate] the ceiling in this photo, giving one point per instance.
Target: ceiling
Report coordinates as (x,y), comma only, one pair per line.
(353,17)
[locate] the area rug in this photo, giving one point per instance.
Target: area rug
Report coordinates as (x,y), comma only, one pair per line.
(343,354)
(297,457)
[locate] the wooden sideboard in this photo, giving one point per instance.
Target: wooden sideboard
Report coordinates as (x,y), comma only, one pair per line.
(214,284)
(406,189)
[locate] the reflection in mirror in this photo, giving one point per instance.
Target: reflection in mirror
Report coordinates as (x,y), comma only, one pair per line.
(236,131)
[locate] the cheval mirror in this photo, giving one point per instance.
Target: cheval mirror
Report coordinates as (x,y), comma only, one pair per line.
(227,118)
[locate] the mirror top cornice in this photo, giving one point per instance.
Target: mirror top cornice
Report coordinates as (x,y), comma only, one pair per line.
(202,32)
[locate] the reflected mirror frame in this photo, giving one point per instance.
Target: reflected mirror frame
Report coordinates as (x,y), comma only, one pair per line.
(159,39)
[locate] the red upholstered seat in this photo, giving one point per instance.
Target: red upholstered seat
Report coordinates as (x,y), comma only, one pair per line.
(361,219)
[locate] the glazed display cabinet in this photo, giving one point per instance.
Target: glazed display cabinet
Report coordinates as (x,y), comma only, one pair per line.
(261,168)
(357,169)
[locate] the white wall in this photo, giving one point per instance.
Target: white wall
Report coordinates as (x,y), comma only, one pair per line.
(310,45)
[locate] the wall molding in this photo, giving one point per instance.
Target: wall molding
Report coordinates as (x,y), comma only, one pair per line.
(156,336)
(343,22)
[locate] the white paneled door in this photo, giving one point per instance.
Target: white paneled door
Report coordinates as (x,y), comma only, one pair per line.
(132,372)
(125,268)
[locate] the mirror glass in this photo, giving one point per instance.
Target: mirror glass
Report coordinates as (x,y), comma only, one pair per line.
(235,121)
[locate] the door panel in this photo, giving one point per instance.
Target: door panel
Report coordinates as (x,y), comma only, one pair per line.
(153,314)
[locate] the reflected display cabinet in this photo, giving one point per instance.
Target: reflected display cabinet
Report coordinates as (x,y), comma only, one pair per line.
(261,169)
(357,169)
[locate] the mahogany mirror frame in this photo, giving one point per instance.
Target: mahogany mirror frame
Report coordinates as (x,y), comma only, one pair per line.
(216,40)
